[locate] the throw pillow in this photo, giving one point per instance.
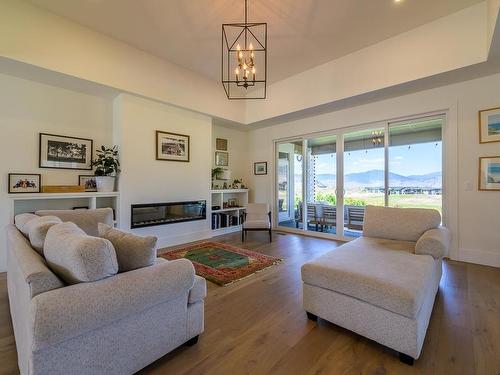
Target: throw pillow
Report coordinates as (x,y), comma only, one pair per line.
(84,218)
(21,220)
(77,257)
(132,251)
(38,228)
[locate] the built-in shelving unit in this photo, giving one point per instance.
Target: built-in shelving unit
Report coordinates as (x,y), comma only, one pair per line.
(228,219)
(31,202)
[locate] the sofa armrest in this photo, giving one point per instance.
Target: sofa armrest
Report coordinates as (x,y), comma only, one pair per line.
(67,312)
(434,242)
(199,290)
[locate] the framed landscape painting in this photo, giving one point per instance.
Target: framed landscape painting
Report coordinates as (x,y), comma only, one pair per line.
(489,173)
(172,146)
(89,182)
(489,125)
(62,152)
(24,183)
(260,168)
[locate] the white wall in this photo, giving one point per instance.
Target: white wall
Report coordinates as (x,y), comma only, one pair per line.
(237,147)
(35,36)
(146,180)
(472,215)
(448,43)
(28,108)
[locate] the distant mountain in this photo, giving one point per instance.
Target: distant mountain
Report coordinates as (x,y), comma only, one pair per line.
(375,178)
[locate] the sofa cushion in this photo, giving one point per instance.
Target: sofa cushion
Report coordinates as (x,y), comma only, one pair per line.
(21,220)
(77,257)
(434,242)
(38,228)
(405,224)
(369,270)
(85,219)
(132,251)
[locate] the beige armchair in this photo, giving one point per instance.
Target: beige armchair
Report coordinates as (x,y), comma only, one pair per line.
(257,217)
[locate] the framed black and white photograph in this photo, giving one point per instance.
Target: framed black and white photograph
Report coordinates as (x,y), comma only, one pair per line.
(221,159)
(489,125)
(221,144)
(489,173)
(24,183)
(89,182)
(172,146)
(260,168)
(62,152)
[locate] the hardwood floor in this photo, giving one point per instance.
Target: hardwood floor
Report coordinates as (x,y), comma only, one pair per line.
(258,326)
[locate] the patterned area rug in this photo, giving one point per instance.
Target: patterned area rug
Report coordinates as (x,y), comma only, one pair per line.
(221,263)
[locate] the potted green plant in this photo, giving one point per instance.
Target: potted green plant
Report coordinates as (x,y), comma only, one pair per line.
(216,173)
(107,168)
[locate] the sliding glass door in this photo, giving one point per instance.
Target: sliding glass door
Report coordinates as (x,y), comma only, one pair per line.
(324,183)
(415,164)
(321,184)
(364,176)
(289,183)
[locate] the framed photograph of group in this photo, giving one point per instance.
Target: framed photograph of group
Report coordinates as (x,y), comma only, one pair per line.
(63,152)
(24,183)
(172,146)
(221,158)
(489,125)
(489,173)
(89,182)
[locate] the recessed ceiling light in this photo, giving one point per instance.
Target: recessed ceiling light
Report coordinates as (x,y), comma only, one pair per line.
(398,1)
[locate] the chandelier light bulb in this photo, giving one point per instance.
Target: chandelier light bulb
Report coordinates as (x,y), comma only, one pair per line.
(250,47)
(238,47)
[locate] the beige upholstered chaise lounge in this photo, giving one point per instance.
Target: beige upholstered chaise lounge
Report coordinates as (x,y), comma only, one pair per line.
(383,284)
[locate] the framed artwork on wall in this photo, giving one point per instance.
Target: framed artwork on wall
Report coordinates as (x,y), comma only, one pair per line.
(63,152)
(221,159)
(221,144)
(489,125)
(24,183)
(172,146)
(260,168)
(489,173)
(89,182)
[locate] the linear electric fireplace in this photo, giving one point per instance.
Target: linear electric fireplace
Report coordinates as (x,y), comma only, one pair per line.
(146,215)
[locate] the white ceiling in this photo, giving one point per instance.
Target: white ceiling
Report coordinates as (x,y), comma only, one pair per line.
(302,33)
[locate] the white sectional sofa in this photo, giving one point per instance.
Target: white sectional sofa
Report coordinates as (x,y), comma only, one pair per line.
(116,325)
(383,284)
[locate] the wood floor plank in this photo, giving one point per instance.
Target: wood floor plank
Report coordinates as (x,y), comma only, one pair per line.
(257,325)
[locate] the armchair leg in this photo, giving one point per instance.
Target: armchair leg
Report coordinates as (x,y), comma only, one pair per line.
(270,235)
(242,235)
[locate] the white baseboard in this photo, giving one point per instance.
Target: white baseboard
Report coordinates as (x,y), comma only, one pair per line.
(486,258)
(183,238)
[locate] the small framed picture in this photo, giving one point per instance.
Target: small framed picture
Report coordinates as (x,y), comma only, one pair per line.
(89,182)
(221,144)
(62,152)
(221,159)
(260,168)
(489,173)
(489,125)
(172,146)
(24,183)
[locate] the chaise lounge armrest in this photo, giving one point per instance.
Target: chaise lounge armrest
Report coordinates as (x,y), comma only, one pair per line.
(434,242)
(64,313)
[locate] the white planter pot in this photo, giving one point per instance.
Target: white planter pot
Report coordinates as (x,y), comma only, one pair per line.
(105,184)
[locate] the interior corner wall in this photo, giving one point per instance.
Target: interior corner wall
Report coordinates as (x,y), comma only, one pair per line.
(237,148)
(28,108)
(471,214)
(146,180)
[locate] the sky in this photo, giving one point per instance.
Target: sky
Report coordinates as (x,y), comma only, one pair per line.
(419,159)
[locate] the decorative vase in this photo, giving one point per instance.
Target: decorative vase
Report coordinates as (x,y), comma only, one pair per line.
(105,184)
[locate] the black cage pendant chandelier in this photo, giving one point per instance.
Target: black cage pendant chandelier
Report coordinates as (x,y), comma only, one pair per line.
(244,59)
